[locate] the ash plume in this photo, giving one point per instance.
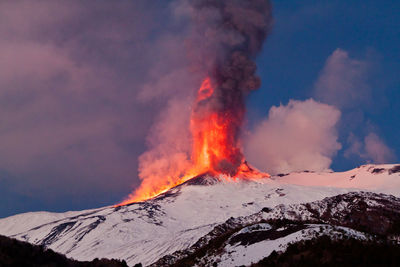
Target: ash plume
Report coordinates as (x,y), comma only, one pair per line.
(222,41)
(228,35)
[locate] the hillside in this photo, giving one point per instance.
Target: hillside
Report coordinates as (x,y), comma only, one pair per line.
(176,221)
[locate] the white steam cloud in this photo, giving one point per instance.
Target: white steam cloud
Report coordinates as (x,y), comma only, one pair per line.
(373,149)
(343,81)
(301,135)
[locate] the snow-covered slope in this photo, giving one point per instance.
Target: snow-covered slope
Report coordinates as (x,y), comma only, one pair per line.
(377,178)
(145,232)
(245,240)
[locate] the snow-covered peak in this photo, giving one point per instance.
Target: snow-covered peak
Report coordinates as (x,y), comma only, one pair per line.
(378,178)
(146,231)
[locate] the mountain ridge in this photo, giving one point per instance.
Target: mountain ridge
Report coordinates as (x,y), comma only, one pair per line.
(175,220)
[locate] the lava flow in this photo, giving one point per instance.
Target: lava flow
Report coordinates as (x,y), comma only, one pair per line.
(215,148)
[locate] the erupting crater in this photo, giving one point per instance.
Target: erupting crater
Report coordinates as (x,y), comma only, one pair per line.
(216,150)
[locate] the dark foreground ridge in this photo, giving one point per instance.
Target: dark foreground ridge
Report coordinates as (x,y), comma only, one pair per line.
(18,253)
(323,251)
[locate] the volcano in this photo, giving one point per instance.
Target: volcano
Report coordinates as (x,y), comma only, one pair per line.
(214,221)
(216,148)
(223,41)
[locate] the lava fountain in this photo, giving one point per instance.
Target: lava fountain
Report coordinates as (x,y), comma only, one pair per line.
(215,149)
(226,36)
(215,132)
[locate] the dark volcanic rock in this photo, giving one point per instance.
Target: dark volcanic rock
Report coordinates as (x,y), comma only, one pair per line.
(395,169)
(202,179)
(378,170)
(363,211)
(253,237)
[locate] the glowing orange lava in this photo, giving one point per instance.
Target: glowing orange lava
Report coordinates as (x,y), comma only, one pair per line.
(215,148)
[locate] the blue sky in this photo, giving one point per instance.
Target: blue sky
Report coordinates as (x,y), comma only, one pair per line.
(306,33)
(73,125)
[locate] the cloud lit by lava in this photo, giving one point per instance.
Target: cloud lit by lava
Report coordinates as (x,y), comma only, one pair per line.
(224,37)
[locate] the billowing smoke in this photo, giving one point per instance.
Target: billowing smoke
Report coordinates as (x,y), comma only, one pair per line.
(299,136)
(223,39)
(233,33)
